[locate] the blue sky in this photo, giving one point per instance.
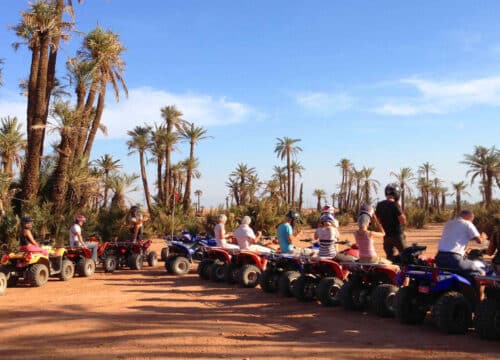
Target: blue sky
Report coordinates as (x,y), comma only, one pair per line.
(386,84)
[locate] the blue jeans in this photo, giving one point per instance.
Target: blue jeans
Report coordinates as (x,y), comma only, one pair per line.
(92,246)
(457,262)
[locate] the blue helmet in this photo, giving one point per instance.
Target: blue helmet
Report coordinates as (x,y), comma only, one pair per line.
(327,218)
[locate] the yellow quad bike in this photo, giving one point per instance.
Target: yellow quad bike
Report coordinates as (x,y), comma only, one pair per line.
(35,268)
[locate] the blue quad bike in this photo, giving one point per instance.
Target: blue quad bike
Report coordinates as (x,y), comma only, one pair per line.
(180,253)
(450,296)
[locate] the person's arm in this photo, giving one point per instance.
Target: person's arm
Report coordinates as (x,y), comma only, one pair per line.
(378,223)
(377,234)
(492,245)
(479,239)
(30,238)
(316,236)
(402,219)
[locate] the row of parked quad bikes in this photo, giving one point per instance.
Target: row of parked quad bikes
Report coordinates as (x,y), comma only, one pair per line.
(408,292)
(34,267)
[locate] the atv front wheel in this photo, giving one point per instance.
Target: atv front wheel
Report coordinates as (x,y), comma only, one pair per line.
(488,319)
(328,291)
(152,258)
(382,300)
(304,288)
(350,296)
(110,263)
(135,261)
(407,306)
(286,283)
(203,269)
(268,281)
(164,254)
(67,270)
(37,275)
(179,265)
(85,267)
(249,275)
(452,313)
(231,273)
(217,271)
(3,283)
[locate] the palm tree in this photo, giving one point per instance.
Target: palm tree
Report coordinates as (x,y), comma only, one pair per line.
(198,194)
(426,169)
(280,175)
(435,191)
(11,144)
(444,193)
(459,191)
(173,120)
(1,70)
(192,134)
(345,165)
(121,184)
(404,176)
(157,147)
(139,142)
(190,167)
(358,178)
(243,173)
(107,166)
(297,169)
(368,184)
(320,194)
(285,149)
(484,163)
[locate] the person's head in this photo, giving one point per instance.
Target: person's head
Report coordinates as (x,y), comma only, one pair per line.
(80,219)
(221,219)
(327,219)
(392,191)
(467,215)
(292,217)
(327,209)
(27,222)
(246,220)
(364,221)
(366,209)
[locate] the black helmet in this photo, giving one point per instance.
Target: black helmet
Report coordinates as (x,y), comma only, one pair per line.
(393,190)
(26,219)
(134,208)
(294,216)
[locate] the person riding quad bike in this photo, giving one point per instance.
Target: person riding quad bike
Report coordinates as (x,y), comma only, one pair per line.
(286,232)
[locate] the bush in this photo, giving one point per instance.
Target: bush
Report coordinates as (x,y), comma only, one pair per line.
(416,218)
(312,219)
(344,219)
(442,216)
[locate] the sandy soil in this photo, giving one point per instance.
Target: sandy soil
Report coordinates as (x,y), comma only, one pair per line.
(151,315)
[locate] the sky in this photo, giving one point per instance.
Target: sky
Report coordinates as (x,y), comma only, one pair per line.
(385,84)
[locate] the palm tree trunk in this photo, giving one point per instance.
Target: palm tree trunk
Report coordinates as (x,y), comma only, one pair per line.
(60,175)
(293,188)
(301,194)
(147,194)
(289,173)
(96,122)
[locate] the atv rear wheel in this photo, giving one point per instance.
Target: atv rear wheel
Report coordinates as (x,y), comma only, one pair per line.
(452,313)
(3,283)
(304,288)
(110,263)
(268,281)
(249,275)
(85,267)
(407,307)
(179,265)
(217,271)
(488,319)
(328,291)
(135,261)
(203,269)
(67,270)
(231,274)
(382,300)
(152,258)
(350,296)
(164,254)
(286,283)
(37,275)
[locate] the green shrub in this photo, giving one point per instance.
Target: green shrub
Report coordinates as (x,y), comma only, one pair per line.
(312,219)
(442,216)
(416,218)
(344,219)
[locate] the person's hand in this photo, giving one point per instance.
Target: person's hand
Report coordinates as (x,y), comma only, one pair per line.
(483,237)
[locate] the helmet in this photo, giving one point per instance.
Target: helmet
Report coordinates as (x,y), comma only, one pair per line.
(393,190)
(26,219)
(293,215)
(134,208)
(327,218)
(366,209)
(328,209)
(80,217)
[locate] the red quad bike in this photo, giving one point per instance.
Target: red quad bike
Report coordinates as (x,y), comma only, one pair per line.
(81,257)
(245,268)
(126,253)
(322,278)
(214,263)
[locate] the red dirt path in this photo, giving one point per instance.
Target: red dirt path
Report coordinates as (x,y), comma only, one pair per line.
(151,315)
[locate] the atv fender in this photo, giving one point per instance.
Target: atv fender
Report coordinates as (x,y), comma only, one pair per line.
(335,267)
(249,257)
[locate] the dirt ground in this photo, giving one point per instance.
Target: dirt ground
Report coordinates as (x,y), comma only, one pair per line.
(151,315)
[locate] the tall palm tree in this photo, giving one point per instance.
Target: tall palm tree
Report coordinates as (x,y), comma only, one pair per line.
(173,121)
(345,166)
(404,176)
(198,194)
(107,166)
(12,143)
(191,171)
(233,185)
(459,191)
(484,163)
(243,173)
(358,178)
(280,175)
(425,170)
(435,191)
(320,194)
(368,184)
(157,147)
(285,149)
(192,134)
(297,169)
(139,143)
(444,193)
(121,184)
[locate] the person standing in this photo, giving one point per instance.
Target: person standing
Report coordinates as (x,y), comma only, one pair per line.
(389,214)
(286,233)
(135,222)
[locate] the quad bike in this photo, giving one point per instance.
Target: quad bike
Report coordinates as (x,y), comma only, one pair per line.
(179,255)
(126,253)
(81,257)
(322,278)
(449,295)
(245,268)
(487,322)
(281,272)
(214,263)
(35,267)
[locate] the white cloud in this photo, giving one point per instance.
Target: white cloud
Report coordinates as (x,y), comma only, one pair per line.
(440,97)
(143,106)
(324,102)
